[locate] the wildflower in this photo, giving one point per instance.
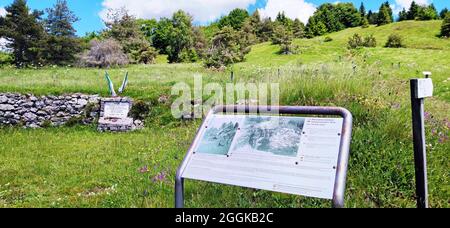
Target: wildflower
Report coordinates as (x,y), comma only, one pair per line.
(433,131)
(160,177)
(427,116)
(143,169)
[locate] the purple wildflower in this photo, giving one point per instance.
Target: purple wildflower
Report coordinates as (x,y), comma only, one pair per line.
(443,138)
(427,116)
(160,177)
(143,169)
(433,131)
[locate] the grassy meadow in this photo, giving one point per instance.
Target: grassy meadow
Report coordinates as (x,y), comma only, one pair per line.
(79,167)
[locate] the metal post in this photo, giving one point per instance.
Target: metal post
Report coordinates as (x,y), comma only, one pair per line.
(179,192)
(420,158)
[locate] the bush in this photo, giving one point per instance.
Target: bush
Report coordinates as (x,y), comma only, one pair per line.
(139,110)
(370,41)
(105,53)
(328,39)
(148,56)
(74,121)
(357,41)
(394,41)
(6,59)
(445,29)
(288,49)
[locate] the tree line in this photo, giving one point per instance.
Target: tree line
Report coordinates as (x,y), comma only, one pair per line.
(35,40)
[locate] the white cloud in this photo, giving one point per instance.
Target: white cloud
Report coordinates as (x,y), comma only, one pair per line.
(292,8)
(2,12)
(407,3)
(203,11)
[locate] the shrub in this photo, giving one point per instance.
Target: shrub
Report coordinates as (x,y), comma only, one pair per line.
(148,56)
(328,39)
(370,41)
(288,49)
(6,58)
(105,53)
(139,110)
(73,121)
(445,29)
(394,41)
(46,124)
(284,37)
(357,41)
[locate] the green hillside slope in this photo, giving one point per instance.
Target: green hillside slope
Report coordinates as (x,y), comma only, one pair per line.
(424,51)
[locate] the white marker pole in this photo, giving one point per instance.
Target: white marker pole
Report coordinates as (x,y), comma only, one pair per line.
(420,89)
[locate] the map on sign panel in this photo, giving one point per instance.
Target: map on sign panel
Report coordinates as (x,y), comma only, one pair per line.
(295,155)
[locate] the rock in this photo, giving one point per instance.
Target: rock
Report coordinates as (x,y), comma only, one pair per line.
(3,99)
(28,104)
(82,102)
(33,110)
(6,107)
(32,125)
(41,113)
(30,116)
(39,104)
(33,98)
(21,111)
(9,115)
(138,125)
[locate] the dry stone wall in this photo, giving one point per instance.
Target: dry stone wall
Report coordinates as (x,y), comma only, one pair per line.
(37,111)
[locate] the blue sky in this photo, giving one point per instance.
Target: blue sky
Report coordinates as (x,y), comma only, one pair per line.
(91,11)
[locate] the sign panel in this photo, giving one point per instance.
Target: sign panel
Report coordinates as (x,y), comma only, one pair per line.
(116,110)
(424,88)
(287,154)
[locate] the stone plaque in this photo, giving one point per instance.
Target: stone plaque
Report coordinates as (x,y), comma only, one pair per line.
(118,110)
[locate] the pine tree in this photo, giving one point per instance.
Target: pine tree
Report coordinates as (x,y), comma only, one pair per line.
(372,17)
(443,13)
(25,33)
(445,30)
(298,29)
(362,10)
(61,44)
(413,12)
(384,15)
(403,15)
(124,28)
(60,19)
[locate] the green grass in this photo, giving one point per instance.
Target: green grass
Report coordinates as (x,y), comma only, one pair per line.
(79,167)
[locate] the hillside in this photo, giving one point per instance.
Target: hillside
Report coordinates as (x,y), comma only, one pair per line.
(424,52)
(80,167)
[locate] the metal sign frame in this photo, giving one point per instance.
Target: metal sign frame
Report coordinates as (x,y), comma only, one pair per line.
(344,150)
